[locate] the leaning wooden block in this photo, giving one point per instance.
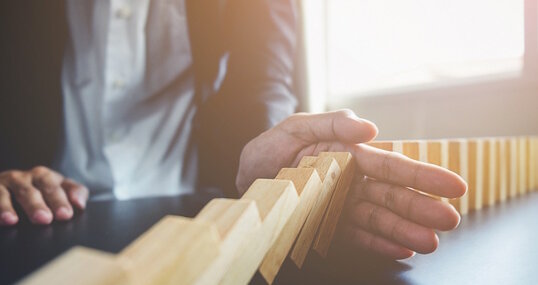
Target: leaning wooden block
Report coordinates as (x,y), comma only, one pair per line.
(173,251)
(82,266)
(329,172)
(308,185)
(330,220)
(235,220)
(276,201)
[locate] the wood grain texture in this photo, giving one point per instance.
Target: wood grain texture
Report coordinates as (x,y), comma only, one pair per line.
(308,185)
(276,200)
(80,265)
(330,220)
(173,251)
(235,220)
(329,172)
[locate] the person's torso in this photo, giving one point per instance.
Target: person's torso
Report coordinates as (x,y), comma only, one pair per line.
(128,90)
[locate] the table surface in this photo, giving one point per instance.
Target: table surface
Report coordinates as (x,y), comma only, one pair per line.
(497,245)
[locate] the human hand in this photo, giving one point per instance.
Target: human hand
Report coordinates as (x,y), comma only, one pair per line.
(41,192)
(381,214)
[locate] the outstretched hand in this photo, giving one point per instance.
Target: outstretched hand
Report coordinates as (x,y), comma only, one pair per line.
(382,213)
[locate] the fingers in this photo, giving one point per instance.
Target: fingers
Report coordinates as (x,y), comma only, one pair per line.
(48,182)
(383,222)
(343,126)
(408,204)
(398,169)
(363,239)
(8,216)
(31,200)
(76,193)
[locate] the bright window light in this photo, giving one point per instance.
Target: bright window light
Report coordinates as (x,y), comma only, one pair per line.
(377,45)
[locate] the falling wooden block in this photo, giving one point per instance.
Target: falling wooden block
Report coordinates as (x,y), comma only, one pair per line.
(336,205)
(329,172)
(173,251)
(82,266)
(308,185)
(458,163)
(235,220)
(276,201)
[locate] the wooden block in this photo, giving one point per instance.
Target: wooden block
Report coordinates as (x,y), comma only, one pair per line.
(384,145)
(488,198)
(173,251)
(276,201)
(504,166)
(522,166)
(458,163)
(435,153)
(423,151)
(533,171)
(528,164)
(330,220)
(329,172)
(476,173)
(235,220)
(82,266)
(308,185)
(411,149)
(512,170)
(397,146)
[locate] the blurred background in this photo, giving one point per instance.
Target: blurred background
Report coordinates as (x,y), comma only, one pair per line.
(423,68)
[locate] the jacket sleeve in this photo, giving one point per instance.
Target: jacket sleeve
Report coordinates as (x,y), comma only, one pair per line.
(259,38)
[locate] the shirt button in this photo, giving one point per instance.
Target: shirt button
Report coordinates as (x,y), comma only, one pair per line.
(123,12)
(118,84)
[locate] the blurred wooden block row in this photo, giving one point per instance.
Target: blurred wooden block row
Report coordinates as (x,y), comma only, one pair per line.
(229,240)
(495,169)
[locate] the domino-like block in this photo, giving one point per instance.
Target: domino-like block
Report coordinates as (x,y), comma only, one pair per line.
(488,165)
(411,149)
(384,145)
(472,179)
(330,220)
(276,201)
(458,163)
(234,220)
(173,251)
(329,172)
(522,166)
(514,177)
(82,266)
(504,168)
(308,185)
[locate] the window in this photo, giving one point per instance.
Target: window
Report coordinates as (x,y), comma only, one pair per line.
(374,46)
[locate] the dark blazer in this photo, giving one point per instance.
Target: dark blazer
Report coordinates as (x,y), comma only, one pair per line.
(253,39)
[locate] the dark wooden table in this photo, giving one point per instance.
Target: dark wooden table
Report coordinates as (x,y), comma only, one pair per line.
(498,245)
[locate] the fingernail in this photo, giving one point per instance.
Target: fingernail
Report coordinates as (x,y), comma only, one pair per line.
(42,217)
(63,213)
(9,218)
(82,202)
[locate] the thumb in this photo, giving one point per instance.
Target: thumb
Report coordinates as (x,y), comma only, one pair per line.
(342,126)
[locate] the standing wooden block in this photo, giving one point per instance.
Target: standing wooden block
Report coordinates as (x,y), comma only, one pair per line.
(329,172)
(458,163)
(82,266)
(522,166)
(235,220)
(475,173)
(411,149)
(434,153)
(423,151)
(533,171)
(276,201)
(488,173)
(528,164)
(308,185)
(336,205)
(397,146)
(513,155)
(174,251)
(504,167)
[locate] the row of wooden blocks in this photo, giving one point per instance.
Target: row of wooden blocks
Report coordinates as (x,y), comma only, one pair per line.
(495,169)
(229,240)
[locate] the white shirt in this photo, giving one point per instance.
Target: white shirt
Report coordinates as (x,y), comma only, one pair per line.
(128,98)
